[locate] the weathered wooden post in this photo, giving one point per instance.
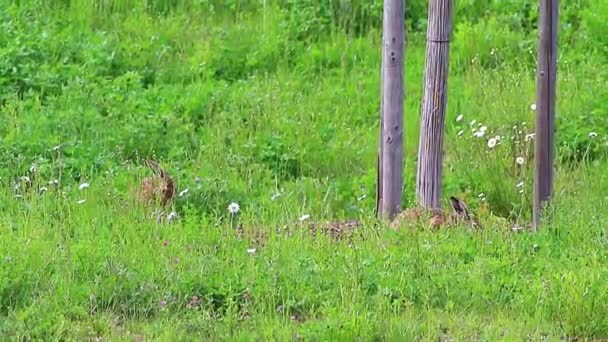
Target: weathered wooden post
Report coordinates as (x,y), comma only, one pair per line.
(546,79)
(430,149)
(390,161)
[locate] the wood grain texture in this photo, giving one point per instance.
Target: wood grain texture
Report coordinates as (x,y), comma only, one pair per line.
(390,162)
(546,79)
(430,148)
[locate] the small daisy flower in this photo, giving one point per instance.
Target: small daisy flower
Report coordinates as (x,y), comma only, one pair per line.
(483,128)
(492,142)
(533,106)
(479,134)
(83,186)
(234,208)
(592,134)
(33,168)
(520,160)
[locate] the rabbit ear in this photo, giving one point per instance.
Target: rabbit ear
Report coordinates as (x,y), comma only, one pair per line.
(460,208)
(153,165)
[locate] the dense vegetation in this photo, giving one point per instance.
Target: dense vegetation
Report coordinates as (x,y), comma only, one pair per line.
(274,105)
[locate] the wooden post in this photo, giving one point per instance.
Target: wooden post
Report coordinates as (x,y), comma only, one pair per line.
(390,161)
(546,79)
(430,149)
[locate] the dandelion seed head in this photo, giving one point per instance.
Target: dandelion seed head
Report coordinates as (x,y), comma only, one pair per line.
(234,208)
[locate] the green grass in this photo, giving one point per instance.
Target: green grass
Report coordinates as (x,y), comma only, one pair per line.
(274,105)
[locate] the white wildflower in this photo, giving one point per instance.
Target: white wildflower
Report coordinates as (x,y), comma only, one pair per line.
(234,208)
(304,217)
(251,250)
(33,168)
(172,215)
(530,136)
(81,201)
(460,133)
(472,122)
(83,186)
(183,192)
(520,184)
(362,197)
(483,128)
(481,195)
(43,189)
(492,142)
(54,182)
(459,118)
(275,196)
(533,106)
(479,134)
(520,160)
(592,134)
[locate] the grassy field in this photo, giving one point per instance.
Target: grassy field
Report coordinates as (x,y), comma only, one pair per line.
(274,105)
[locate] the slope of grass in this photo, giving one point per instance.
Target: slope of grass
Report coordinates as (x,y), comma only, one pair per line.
(275,106)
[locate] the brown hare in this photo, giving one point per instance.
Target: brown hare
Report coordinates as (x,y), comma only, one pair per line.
(159,188)
(437,218)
